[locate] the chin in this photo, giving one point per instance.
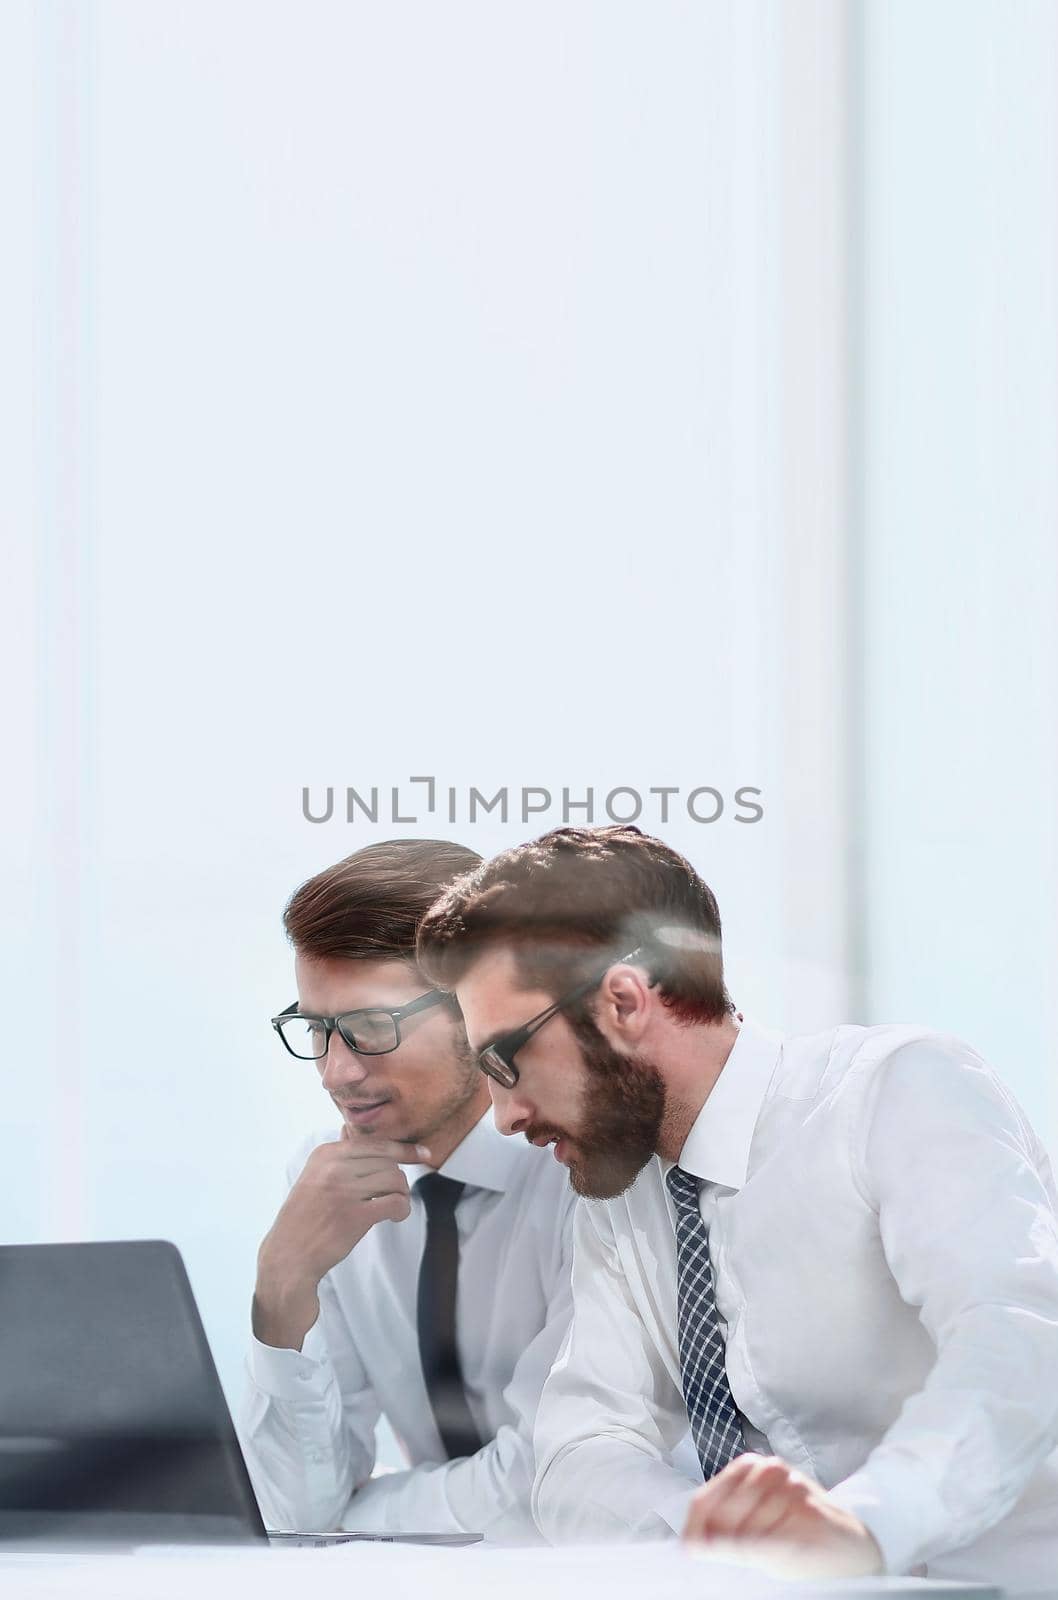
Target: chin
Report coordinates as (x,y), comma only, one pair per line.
(600,1180)
(383,1125)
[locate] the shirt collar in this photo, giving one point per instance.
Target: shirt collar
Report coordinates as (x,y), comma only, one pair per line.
(485,1159)
(717,1147)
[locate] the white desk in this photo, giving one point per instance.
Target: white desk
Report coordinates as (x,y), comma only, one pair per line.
(410,1572)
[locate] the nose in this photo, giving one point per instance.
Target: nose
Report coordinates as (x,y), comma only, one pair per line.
(512,1112)
(341,1067)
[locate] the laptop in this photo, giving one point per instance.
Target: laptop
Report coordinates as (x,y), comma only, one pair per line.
(114,1429)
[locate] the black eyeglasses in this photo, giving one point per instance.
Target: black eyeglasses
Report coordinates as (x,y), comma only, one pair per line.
(373,1031)
(497,1059)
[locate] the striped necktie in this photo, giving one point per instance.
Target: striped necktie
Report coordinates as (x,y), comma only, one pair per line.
(715,1423)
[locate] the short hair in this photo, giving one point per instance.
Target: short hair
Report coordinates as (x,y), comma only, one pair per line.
(575,900)
(369,906)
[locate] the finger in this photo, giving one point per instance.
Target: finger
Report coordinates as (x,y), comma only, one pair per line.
(731,1481)
(729,1497)
(392,1149)
(389,1207)
(370,1184)
(766,1481)
(710,1495)
(697,1520)
(780,1511)
(360,1163)
(339,1179)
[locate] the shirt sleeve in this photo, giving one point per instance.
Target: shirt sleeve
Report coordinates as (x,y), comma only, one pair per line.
(487,1492)
(610,1413)
(308,1424)
(967,1217)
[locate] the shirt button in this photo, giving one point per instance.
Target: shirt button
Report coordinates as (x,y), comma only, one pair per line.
(304,1376)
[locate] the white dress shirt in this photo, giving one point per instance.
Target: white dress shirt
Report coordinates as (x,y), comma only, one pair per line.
(308,1424)
(883,1237)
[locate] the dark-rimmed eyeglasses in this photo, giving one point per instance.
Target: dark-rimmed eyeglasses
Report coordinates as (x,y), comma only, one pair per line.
(372,1031)
(496,1061)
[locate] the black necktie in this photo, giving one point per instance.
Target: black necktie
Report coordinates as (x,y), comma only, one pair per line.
(438,1279)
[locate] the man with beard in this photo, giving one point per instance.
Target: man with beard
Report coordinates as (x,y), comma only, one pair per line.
(414,1196)
(835,1258)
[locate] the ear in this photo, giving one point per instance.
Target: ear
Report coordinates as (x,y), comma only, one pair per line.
(624,1004)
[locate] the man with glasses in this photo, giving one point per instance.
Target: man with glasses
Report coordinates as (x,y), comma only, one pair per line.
(415,1196)
(833,1260)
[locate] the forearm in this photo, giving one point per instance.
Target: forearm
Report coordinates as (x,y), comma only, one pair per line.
(601,1489)
(305,1454)
(485,1493)
(610,1415)
(993,1399)
(967,1219)
(282,1317)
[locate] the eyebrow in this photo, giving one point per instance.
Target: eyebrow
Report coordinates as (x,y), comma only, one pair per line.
(494,1038)
(347,1011)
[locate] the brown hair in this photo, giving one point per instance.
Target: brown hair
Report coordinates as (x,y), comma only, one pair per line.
(368,907)
(577,898)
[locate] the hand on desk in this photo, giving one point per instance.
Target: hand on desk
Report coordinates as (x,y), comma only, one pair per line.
(760,1500)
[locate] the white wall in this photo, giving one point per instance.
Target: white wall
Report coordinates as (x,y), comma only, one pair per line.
(960,570)
(28,1126)
(467,390)
(417,398)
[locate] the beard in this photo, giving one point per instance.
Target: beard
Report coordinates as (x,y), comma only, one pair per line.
(458,1098)
(621,1121)
(460,1092)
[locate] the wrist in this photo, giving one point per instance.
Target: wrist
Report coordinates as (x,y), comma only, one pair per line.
(284,1309)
